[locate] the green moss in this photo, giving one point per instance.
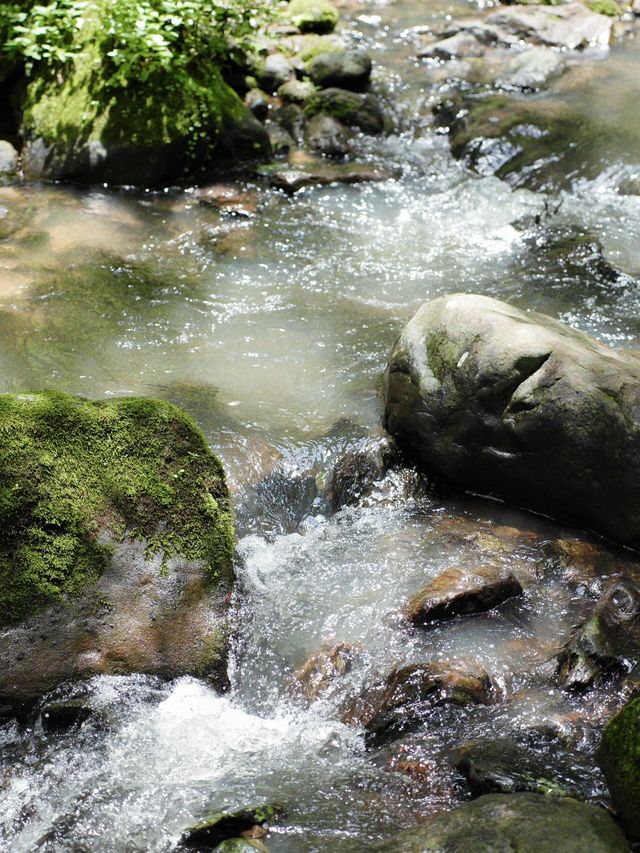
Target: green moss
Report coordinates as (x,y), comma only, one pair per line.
(605,7)
(75,474)
(100,122)
(312,16)
(619,756)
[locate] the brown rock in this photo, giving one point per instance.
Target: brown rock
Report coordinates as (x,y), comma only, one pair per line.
(399,703)
(321,671)
(458,592)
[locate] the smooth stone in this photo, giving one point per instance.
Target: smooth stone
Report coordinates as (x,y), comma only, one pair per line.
(292,178)
(502,823)
(530,69)
(460,45)
(571,26)
(276,70)
(280,140)
(345,69)
(458,592)
(8,159)
(258,103)
(325,135)
(296,91)
(522,407)
(313,16)
(357,471)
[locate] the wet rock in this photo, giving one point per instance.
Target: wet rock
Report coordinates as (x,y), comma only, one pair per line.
(313,16)
(362,111)
(291,179)
(296,91)
(325,135)
(400,703)
(282,500)
(220,826)
(530,69)
(228,198)
(507,766)
(579,560)
(291,118)
(521,407)
(116,544)
(486,34)
(325,670)
(571,26)
(460,45)
(8,160)
(281,142)
(457,592)
(607,643)
(357,471)
(528,823)
(345,69)
(276,70)
(64,715)
(241,845)
(258,103)
(619,758)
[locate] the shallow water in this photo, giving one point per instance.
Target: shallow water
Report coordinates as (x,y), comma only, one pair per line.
(269,330)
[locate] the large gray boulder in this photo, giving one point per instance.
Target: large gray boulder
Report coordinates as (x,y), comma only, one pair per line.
(521,407)
(502,823)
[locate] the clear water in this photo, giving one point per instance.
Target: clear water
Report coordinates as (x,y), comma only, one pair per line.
(269,330)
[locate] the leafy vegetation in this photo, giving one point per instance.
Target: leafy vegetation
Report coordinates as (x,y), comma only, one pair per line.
(140,38)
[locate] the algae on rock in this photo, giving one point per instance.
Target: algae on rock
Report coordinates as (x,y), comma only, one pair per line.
(107,113)
(619,757)
(74,474)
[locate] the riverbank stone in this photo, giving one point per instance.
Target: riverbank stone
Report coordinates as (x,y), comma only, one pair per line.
(79,125)
(502,823)
(345,69)
(116,543)
(619,757)
(313,16)
(522,407)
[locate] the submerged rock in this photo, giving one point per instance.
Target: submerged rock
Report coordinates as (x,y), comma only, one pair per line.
(507,766)
(457,592)
(356,472)
(619,757)
(116,543)
(293,178)
(325,669)
(502,823)
(400,702)
(607,643)
(65,714)
(521,407)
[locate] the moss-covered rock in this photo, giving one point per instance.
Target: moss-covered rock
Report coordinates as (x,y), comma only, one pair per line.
(116,541)
(89,122)
(619,757)
(313,16)
(222,828)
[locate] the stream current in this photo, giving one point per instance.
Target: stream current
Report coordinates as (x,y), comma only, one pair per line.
(272,331)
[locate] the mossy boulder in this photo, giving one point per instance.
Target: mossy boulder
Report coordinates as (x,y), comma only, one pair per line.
(502,823)
(82,122)
(116,542)
(313,16)
(522,407)
(619,757)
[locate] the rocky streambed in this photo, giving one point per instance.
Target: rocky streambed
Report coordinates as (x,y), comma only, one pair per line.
(394,661)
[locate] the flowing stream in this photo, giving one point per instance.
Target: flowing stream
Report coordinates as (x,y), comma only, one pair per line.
(272,331)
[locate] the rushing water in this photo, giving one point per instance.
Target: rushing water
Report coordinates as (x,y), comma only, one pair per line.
(273,330)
